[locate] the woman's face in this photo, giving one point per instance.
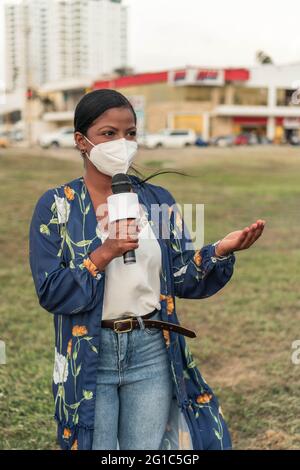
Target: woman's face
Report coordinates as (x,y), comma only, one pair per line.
(113,124)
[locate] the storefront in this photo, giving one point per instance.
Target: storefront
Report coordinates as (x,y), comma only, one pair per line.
(248,124)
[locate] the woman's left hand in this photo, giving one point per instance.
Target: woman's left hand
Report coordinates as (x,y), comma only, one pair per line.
(240,239)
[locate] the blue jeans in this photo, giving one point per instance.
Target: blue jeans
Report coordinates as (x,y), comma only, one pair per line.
(134,389)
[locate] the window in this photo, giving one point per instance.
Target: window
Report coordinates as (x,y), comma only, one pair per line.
(177,133)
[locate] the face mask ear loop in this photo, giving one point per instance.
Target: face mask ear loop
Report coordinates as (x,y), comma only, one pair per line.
(88,140)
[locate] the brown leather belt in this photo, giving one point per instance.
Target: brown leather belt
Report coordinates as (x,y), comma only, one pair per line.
(125,325)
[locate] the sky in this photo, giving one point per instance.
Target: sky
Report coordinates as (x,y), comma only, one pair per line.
(172,33)
(167,34)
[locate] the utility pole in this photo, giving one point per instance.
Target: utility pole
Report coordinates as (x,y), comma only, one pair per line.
(28,78)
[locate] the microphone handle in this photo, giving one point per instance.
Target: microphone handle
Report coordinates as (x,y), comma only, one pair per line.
(129,257)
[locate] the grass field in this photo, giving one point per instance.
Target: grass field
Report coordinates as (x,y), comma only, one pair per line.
(244,333)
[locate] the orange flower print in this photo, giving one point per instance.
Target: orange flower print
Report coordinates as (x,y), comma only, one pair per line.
(204,398)
(170,302)
(90,266)
(197,258)
(79,330)
(166,334)
(69,193)
(75,445)
(69,348)
(170,305)
(67,433)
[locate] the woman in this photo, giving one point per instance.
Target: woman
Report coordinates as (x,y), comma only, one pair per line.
(121,384)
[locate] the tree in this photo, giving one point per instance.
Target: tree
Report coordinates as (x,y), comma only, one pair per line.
(263,58)
(122,71)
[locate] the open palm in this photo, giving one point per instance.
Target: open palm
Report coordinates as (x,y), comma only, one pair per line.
(240,239)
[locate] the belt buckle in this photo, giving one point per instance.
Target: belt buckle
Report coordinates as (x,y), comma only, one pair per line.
(122,321)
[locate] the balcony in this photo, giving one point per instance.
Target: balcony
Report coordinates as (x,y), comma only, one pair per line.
(263,111)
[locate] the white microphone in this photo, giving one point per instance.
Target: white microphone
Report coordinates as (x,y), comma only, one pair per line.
(123,204)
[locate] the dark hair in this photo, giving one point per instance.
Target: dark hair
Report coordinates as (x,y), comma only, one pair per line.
(95,103)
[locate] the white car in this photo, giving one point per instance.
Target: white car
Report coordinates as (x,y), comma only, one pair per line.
(63,137)
(169,138)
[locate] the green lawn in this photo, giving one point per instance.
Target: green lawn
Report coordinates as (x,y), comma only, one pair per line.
(245,332)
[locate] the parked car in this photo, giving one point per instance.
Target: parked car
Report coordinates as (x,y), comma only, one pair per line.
(200,142)
(169,138)
(246,138)
(63,137)
(17,135)
(263,140)
(294,140)
(222,141)
(241,139)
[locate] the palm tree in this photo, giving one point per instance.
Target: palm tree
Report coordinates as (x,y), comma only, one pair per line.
(263,58)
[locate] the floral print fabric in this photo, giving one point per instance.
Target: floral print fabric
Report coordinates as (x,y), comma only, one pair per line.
(63,232)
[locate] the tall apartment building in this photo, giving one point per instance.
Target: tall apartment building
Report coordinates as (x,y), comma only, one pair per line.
(56,40)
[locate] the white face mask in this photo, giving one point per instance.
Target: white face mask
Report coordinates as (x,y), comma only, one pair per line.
(114,156)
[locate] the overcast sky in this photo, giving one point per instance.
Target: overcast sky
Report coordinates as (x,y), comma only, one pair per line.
(174,33)
(167,33)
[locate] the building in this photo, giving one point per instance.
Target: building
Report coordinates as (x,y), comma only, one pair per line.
(215,101)
(56,40)
(88,38)
(263,100)
(55,49)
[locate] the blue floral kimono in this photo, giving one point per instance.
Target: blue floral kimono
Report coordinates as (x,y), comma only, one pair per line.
(63,231)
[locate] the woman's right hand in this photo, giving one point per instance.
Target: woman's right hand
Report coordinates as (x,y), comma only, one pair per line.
(122,237)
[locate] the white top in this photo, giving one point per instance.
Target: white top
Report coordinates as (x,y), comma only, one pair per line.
(134,289)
